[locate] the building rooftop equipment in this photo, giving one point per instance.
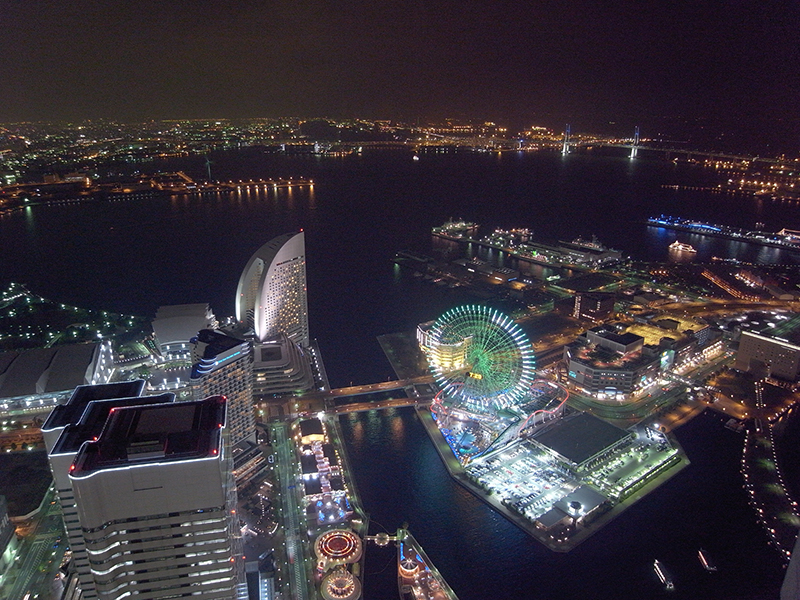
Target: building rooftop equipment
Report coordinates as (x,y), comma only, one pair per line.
(93,419)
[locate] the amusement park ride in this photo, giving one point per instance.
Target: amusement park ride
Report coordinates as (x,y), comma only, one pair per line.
(484,366)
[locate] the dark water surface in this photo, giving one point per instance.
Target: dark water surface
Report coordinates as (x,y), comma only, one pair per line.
(401,479)
(134,256)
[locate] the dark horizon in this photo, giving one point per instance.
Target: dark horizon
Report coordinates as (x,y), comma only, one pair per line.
(726,66)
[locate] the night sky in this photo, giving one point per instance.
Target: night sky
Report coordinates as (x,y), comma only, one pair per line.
(517,62)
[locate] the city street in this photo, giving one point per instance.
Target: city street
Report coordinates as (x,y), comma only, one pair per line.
(39,557)
(298,581)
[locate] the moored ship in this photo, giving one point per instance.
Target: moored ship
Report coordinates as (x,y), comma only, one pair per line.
(782,239)
(456,230)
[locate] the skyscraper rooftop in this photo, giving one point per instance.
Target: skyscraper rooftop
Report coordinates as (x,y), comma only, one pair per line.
(138,434)
(69,413)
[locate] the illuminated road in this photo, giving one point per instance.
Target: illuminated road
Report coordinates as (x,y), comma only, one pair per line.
(298,582)
(29,409)
(628,411)
(370,388)
(392,403)
(40,555)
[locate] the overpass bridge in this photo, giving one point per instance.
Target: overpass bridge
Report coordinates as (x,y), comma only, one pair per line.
(370,388)
(324,400)
(381,404)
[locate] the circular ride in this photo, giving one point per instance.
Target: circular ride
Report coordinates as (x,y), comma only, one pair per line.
(340,584)
(480,356)
(337,547)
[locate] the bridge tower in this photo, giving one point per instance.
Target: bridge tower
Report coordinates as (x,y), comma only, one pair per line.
(565,145)
(635,147)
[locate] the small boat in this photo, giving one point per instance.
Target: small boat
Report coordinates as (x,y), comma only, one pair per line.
(679,247)
(706,561)
(663,575)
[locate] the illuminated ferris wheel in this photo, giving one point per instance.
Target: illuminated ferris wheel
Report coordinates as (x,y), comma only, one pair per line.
(479,355)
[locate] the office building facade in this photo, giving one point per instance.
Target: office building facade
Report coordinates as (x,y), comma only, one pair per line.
(8,541)
(768,356)
(81,419)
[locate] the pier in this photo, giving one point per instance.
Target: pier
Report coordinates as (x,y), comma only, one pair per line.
(577,255)
(251,184)
(784,239)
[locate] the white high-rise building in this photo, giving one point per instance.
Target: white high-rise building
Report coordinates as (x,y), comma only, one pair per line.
(67,427)
(271,296)
(156,504)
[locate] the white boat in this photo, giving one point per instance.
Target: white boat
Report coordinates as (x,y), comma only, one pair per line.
(679,247)
(663,575)
(706,561)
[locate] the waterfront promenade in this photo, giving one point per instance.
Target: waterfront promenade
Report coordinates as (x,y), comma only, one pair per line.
(776,510)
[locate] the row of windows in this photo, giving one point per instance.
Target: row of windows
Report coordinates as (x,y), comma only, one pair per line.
(107,524)
(170,571)
(174,536)
(196,588)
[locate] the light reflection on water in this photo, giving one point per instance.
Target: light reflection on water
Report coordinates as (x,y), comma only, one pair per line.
(401,479)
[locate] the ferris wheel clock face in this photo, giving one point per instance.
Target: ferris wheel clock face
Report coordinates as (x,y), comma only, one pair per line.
(479,355)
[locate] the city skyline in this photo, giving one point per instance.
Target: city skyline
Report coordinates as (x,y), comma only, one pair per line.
(588,212)
(726,67)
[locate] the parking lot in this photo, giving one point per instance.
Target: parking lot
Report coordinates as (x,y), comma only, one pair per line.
(525,477)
